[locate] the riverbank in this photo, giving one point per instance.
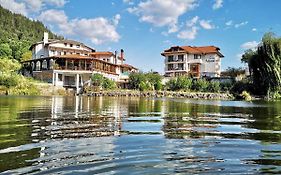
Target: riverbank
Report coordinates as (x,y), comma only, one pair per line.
(37,89)
(180,94)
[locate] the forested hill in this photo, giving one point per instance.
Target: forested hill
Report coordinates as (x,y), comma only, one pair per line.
(17,33)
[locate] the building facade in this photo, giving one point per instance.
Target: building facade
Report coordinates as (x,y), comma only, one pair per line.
(192,61)
(70,63)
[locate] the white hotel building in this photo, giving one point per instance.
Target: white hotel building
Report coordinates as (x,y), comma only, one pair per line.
(192,61)
(69,63)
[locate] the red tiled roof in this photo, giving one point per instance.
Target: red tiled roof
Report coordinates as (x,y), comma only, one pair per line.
(101,54)
(128,66)
(197,50)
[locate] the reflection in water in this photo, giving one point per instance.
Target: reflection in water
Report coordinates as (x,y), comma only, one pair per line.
(123,135)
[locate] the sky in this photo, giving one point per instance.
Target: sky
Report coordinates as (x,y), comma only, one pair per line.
(144,28)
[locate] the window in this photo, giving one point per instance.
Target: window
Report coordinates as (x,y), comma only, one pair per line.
(170,58)
(71,45)
(64,52)
(78,53)
(59,53)
(176,66)
(52,52)
(197,56)
(78,46)
(60,77)
(65,44)
(180,57)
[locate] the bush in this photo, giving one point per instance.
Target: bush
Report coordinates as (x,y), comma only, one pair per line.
(179,83)
(184,83)
(145,81)
(8,80)
(241,86)
(214,86)
(158,86)
(171,84)
(246,96)
(200,85)
(226,86)
(108,84)
(97,79)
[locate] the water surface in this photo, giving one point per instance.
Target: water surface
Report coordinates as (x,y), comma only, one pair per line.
(109,135)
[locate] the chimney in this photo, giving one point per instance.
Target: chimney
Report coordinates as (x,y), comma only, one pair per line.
(46,38)
(115,57)
(122,55)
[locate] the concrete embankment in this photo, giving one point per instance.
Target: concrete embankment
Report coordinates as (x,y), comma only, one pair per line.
(192,95)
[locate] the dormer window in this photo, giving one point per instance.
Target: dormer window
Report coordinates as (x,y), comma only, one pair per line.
(71,45)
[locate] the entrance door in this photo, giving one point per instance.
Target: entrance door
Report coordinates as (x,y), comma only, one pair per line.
(194,70)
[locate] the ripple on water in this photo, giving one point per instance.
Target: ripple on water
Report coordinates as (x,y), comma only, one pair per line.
(140,136)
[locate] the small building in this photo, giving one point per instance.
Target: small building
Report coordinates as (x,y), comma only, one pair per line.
(193,61)
(70,64)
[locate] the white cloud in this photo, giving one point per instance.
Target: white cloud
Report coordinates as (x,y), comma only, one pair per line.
(250,45)
(218,4)
(25,7)
(53,16)
(206,24)
(57,3)
(241,24)
(229,23)
(254,29)
(116,19)
(159,13)
(14,6)
(173,28)
(34,5)
(98,30)
(192,22)
(189,34)
(130,2)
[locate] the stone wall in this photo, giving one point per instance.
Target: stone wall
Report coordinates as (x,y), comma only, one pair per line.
(192,95)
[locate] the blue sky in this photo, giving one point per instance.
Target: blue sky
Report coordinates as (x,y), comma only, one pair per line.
(145,28)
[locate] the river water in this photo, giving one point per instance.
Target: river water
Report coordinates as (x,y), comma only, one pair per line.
(109,135)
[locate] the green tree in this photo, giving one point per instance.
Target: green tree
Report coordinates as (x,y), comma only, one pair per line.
(97,79)
(179,83)
(8,66)
(233,72)
(108,84)
(26,56)
(135,79)
(265,64)
(154,79)
(200,85)
(5,50)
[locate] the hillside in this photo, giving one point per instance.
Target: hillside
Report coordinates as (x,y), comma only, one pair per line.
(17,33)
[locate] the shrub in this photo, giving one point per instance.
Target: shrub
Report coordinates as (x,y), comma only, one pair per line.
(200,85)
(184,83)
(158,86)
(97,79)
(214,86)
(179,83)
(135,79)
(241,86)
(246,96)
(108,84)
(171,84)
(225,86)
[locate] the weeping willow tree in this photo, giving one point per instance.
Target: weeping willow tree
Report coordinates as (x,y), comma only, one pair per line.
(265,64)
